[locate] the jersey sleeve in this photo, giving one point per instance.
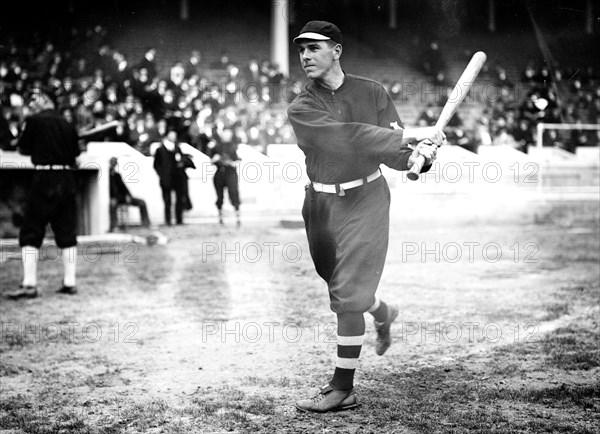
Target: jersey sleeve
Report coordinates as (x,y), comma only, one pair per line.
(388,117)
(318,129)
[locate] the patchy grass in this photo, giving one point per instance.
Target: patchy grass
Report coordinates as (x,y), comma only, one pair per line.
(555,311)
(154,369)
(573,348)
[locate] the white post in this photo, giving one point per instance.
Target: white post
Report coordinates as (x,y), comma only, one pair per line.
(184,10)
(492,16)
(279,35)
(589,18)
(393,14)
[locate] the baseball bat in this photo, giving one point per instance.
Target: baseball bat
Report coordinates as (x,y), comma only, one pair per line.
(461,89)
(99,128)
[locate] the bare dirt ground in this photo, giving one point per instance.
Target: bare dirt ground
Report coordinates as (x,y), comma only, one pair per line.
(222,329)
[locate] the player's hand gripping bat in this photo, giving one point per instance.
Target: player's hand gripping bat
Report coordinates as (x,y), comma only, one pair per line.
(456,97)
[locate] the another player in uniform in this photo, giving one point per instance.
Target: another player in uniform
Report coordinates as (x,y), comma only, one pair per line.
(224,157)
(53,145)
(344,125)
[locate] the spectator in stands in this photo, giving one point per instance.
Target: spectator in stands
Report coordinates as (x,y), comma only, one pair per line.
(145,133)
(149,62)
(252,71)
(177,74)
(502,77)
(503,138)
(543,76)
(523,135)
(552,138)
(582,138)
(222,63)
(120,195)
(257,139)
(192,66)
(427,117)
(434,61)
(456,133)
(529,74)
(482,134)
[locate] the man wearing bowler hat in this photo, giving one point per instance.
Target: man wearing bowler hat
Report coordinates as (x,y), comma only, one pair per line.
(347,126)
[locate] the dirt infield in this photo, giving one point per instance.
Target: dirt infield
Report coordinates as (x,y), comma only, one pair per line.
(222,329)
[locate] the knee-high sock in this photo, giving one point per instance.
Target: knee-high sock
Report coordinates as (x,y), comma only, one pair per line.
(69,259)
(29,257)
(379,310)
(351,333)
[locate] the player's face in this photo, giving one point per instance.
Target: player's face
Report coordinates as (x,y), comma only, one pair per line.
(318,57)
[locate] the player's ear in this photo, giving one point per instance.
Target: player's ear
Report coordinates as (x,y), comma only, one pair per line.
(337,51)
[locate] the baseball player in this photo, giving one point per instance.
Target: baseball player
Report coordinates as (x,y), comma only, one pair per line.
(53,145)
(224,157)
(347,126)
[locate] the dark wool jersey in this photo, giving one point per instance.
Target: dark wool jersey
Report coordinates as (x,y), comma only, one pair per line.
(228,153)
(49,139)
(347,133)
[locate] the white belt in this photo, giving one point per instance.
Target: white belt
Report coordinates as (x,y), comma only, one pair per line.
(51,167)
(339,188)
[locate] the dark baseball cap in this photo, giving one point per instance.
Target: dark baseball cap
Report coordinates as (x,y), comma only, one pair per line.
(41,101)
(320,31)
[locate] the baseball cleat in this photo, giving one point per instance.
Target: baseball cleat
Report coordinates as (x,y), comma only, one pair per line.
(328,399)
(22,292)
(384,340)
(70,290)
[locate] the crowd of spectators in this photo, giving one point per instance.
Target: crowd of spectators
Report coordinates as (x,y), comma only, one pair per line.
(93,84)
(542,94)
(513,106)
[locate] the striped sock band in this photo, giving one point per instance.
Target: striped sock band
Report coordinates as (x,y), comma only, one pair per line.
(351,333)
(348,352)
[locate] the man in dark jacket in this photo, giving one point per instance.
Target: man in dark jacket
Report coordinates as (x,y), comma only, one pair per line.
(169,163)
(53,145)
(120,195)
(6,136)
(347,126)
